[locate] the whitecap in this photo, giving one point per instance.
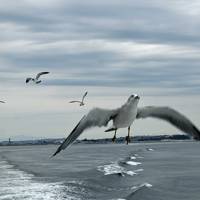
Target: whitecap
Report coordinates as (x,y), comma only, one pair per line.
(131,173)
(148,185)
(149,149)
(142,185)
(133,163)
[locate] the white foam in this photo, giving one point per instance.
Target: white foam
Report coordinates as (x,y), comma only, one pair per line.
(133,163)
(139,170)
(135,156)
(114,168)
(149,149)
(148,185)
(142,185)
(118,199)
(131,173)
(19,185)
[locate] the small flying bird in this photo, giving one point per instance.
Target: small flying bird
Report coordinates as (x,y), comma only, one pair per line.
(81,103)
(124,116)
(2,102)
(36,79)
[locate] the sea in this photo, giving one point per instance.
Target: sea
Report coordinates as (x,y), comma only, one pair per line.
(138,171)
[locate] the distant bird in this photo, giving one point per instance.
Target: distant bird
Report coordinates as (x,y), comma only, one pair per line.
(81,103)
(36,79)
(124,116)
(2,102)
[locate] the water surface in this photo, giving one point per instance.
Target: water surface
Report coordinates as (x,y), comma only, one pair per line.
(145,171)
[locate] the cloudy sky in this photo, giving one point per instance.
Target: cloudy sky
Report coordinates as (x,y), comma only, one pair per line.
(110,48)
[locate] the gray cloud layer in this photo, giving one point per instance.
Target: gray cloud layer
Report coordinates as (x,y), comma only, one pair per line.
(103,43)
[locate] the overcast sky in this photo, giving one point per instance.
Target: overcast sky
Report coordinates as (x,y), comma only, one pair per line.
(111,49)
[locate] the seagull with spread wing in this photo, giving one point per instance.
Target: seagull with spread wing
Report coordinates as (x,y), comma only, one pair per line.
(81,103)
(36,79)
(124,116)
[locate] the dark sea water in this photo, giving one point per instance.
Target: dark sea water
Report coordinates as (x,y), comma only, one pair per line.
(141,171)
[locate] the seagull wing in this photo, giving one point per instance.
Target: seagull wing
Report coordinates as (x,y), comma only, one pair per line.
(84,96)
(75,102)
(28,79)
(41,73)
(172,116)
(96,117)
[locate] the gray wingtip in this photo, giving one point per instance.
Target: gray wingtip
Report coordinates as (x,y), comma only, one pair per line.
(58,150)
(60,147)
(196,135)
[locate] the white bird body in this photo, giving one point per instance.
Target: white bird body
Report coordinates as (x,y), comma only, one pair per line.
(126,115)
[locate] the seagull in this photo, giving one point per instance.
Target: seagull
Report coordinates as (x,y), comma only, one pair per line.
(124,116)
(36,79)
(81,103)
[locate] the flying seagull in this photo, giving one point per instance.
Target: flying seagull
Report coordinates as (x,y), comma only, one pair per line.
(36,79)
(124,116)
(81,103)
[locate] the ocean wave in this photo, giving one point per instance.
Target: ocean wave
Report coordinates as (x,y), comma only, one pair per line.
(135,189)
(138,190)
(148,185)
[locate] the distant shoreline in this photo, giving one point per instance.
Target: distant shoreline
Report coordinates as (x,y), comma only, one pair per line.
(119,140)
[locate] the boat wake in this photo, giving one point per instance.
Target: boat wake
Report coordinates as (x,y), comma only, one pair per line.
(17,184)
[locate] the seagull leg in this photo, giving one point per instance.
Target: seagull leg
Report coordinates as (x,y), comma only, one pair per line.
(128,139)
(114,137)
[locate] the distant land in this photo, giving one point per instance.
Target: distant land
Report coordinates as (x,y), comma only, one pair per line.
(57,141)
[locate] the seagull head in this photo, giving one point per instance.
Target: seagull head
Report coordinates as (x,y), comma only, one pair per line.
(133,98)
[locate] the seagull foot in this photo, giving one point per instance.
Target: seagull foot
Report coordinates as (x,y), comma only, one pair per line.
(114,139)
(128,139)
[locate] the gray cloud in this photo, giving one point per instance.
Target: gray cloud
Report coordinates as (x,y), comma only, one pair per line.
(117,45)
